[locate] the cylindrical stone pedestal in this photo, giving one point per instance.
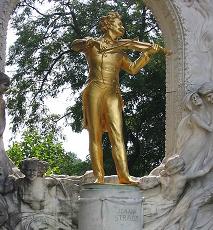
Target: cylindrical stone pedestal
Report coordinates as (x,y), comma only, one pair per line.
(110,207)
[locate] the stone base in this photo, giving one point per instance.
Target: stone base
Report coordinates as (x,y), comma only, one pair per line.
(110,207)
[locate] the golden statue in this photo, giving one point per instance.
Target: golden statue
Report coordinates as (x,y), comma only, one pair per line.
(102,102)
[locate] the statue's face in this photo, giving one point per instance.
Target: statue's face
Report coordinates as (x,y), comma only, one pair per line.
(196,100)
(31,172)
(117,27)
(189,3)
(209,98)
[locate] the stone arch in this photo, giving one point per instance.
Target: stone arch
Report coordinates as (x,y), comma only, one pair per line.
(170,23)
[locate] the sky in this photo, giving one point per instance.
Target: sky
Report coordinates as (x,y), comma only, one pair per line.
(77,143)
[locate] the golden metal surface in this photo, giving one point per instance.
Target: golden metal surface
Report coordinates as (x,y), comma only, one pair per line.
(102,102)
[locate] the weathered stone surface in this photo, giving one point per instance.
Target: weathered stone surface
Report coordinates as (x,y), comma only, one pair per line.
(180,192)
(108,206)
(5,164)
(6,8)
(38,202)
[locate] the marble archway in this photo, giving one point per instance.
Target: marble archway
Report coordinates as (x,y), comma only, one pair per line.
(186,26)
(170,23)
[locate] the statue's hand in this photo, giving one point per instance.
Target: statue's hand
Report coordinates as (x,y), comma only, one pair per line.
(154,49)
(90,42)
(147,182)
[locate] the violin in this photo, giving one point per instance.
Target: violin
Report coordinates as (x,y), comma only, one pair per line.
(133,44)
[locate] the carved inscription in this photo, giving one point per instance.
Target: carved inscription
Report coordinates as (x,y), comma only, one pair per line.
(126,214)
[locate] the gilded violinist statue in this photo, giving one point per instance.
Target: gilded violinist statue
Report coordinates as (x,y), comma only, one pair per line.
(102,102)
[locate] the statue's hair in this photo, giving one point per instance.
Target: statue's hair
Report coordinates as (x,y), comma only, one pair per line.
(41,166)
(105,21)
(4,78)
(188,101)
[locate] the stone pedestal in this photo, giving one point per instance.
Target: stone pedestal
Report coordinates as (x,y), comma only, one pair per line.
(110,207)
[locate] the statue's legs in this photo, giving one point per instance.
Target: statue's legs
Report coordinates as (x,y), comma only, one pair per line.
(104,110)
(93,114)
(113,115)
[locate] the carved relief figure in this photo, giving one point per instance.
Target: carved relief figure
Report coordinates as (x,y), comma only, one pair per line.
(172,181)
(195,147)
(34,193)
(33,188)
(4,85)
(172,178)
(102,102)
(4,160)
(205,8)
(204,35)
(206,91)
(3,204)
(198,193)
(6,164)
(189,3)
(3,213)
(194,133)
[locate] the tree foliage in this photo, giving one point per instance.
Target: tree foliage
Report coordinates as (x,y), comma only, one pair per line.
(48,148)
(46,66)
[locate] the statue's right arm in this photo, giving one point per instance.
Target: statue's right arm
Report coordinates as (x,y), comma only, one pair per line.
(147,182)
(78,45)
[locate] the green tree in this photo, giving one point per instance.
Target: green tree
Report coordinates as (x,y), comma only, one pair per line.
(48,148)
(46,66)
